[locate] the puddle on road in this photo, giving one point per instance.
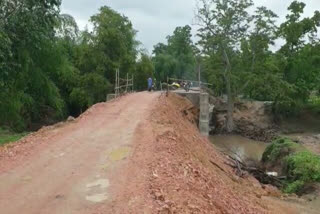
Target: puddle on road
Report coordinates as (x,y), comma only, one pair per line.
(119,154)
(102,183)
(96,191)
(97,198)
(243,147)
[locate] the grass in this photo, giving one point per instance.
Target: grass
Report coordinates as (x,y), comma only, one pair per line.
(7,136)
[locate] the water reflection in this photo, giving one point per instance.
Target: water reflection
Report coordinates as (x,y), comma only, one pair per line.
(241,147)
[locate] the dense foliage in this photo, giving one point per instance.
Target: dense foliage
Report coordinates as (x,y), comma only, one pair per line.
(236,50)
(177,58)
(49,69)
(300,166)
(279,149)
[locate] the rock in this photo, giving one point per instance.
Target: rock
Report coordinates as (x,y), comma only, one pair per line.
(71,119)
(317,136)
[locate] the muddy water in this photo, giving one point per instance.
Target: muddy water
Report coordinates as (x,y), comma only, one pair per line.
(250,149)
(238,146)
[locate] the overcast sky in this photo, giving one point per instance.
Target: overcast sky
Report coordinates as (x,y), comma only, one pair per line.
(155,19)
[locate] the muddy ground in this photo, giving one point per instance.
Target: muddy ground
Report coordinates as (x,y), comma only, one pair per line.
(252,120)
(255,120)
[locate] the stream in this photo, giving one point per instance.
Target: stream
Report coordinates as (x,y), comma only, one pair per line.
(246,149)
(239,147)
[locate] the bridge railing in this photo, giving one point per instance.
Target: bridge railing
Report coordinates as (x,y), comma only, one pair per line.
(201,85)
(123,86)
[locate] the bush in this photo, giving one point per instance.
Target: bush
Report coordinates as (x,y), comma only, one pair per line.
(302,168)
(279,149)
(79,99)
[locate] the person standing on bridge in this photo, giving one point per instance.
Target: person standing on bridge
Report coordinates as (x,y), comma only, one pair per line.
(150,84)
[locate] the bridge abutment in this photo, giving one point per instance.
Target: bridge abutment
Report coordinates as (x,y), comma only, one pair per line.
(200,100)
(204,117)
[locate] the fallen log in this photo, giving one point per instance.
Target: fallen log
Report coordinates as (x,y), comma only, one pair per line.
(240,169)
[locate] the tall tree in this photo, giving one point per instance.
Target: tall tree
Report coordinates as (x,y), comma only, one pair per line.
(224,24)
(26,34)
(175,59)
(256,56)
(300,52)
(180,47)
(144,70)
(114,43)
(295,31)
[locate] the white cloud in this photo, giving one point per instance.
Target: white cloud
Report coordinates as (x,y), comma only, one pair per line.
(156,19)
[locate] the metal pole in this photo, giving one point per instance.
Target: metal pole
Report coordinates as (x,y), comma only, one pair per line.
(199,75)
(119,92)
(116,84)
(167,86)
(132,82)
(127,82)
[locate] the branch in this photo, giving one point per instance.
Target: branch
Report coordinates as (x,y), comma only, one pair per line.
(243,87)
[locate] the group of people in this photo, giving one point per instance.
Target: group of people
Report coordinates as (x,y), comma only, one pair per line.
(184,84)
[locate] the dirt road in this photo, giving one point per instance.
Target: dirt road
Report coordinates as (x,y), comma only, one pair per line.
(141,153)
(72,168)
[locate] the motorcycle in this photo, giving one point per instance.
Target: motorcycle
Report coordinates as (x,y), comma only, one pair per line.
(187,86)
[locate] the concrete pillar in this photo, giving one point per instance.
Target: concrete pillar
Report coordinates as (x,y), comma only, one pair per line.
(204,114)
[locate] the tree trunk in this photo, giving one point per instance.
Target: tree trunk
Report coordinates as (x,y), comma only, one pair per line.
(229,123)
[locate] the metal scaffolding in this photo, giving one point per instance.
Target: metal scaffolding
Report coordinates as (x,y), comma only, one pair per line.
(123,86)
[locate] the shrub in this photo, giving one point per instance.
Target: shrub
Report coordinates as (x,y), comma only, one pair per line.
(79,99)
(302,168)
(279,149)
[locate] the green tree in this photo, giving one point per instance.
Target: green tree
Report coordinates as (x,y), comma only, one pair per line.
(144,70)
(181,48)
(260,67)
(177,58)
(26,34)
(114,43)
(295,30)
(224,24)
(302,56)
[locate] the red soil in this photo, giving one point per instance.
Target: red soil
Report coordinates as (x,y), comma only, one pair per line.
(169,167)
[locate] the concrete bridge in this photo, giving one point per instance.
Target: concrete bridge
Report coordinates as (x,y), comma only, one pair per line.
(201,100)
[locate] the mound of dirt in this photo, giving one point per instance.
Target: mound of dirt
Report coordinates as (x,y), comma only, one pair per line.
(189,176)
